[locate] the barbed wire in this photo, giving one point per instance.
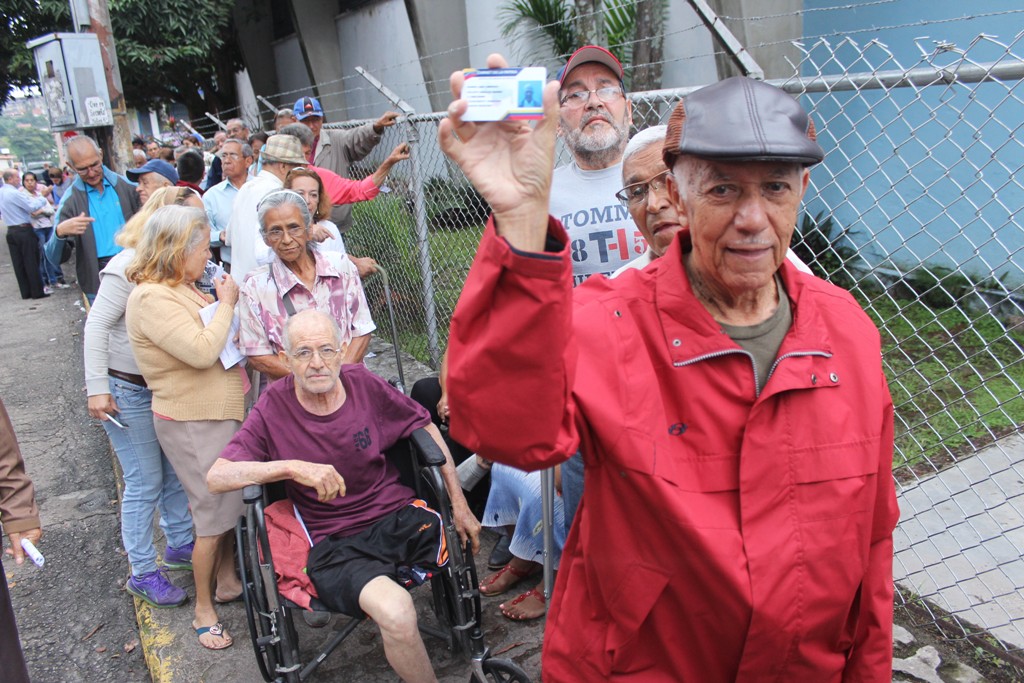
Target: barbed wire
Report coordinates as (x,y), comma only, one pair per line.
(352,86)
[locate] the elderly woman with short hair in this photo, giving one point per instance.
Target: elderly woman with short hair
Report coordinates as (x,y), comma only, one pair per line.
(117,390)
(198,405)
(298,277)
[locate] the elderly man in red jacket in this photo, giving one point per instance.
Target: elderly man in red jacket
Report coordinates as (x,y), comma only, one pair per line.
(733,416)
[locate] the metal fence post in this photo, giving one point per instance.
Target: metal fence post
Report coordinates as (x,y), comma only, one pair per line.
(419,198)
(418,188)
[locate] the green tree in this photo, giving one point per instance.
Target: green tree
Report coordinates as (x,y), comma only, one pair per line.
(168,50)
(171,50)
(28,137)
(631,30)
(20,21)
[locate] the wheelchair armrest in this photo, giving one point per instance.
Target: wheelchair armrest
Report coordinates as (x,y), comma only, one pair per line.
(428,453)
(252,493)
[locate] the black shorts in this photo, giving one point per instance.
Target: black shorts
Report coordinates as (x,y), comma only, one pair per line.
(341,567)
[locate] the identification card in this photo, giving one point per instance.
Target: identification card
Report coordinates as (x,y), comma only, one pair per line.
(504,94)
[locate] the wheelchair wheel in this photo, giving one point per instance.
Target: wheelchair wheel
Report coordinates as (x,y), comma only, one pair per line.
(255,601)
(501,671)
(456,601)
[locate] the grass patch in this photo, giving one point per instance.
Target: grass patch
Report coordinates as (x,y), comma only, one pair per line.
(386,230)
(955,377)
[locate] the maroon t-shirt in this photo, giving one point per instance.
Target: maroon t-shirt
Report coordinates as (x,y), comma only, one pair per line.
(353,439)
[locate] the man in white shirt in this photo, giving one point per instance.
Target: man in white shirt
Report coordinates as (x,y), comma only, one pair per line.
(281,154)
(219,200)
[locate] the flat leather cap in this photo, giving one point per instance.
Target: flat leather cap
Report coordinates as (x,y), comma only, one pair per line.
(741,119)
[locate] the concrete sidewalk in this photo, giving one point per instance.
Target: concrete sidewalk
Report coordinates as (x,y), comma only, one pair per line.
(960,540)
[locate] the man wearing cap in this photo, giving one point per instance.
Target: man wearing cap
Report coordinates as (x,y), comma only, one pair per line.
(732,411)
(281,154)
(645,196)
(90,213)
(151,176)
(337,150)
(594,121)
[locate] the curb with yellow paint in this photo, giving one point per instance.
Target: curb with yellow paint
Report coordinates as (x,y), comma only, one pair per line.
(154,638)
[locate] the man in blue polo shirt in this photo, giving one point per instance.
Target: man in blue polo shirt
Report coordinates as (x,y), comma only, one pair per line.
(91,213)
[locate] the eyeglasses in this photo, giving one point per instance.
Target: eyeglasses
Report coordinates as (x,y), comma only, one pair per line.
(326,354)
(579,98)
(275,234)
(636,194)
(91,167)
(230,155)
(56,177)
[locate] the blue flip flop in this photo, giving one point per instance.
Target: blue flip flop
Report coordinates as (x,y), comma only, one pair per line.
(217,631)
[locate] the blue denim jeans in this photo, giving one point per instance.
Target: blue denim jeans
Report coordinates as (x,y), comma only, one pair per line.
(49,272)
(149,479)
(572,487)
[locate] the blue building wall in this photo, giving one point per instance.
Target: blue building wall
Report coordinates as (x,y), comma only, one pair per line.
(921,174)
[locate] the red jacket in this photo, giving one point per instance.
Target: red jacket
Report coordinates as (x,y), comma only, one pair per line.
(723,536)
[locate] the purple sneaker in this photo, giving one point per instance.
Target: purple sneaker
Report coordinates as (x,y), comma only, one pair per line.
(180,557)
(156,589)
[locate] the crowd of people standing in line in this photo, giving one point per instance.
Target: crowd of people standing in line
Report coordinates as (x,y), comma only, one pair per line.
(703,213)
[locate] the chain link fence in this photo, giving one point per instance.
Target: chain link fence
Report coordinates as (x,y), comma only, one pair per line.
(917,211)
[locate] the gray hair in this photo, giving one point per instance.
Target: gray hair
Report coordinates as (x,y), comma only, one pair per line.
(9,173)
(281,113)
(309,313)
(246,147)
(276,200)
(643,140)
(78,141)
(300,131)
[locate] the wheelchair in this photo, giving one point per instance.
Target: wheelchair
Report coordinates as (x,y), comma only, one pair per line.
(455,595)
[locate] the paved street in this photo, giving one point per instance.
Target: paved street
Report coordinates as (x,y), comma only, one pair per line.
(76,621)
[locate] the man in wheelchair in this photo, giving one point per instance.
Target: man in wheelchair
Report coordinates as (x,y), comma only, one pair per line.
(323,431)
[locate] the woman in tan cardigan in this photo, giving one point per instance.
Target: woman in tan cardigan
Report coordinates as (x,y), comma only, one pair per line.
(197,404)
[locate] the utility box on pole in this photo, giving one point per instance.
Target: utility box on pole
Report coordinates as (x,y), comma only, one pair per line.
(72,80)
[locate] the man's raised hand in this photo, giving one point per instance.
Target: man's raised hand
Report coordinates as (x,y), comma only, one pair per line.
(509,162)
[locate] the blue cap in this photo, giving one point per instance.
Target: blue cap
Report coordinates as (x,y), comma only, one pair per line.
(154,166)
(306,107)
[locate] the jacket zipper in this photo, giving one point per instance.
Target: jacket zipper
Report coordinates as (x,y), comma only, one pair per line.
(753,362)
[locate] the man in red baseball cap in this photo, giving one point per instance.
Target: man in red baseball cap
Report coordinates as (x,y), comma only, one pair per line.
(594,122)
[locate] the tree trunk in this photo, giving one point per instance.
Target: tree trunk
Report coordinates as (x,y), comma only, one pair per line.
(648,48)
(648,54)
(590,22)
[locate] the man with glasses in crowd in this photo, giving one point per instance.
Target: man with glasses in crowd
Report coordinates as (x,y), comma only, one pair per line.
(323,431)
(594,122)
(90,214)
(235,158)
(235,129)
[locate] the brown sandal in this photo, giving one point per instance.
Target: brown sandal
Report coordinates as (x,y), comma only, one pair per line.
(522,598)
(487,588)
